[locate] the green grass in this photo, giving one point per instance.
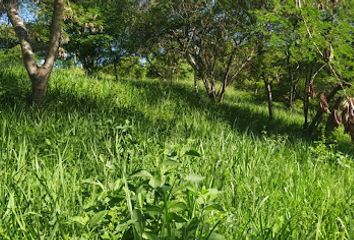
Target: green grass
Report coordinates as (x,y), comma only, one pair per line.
(150,160)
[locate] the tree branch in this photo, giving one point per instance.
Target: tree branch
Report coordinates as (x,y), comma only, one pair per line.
(55,33)
(22,34)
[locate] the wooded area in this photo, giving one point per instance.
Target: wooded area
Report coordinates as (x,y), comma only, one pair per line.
(298,50)
(294,57)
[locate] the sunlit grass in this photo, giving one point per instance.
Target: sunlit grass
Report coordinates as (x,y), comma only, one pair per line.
(151,160)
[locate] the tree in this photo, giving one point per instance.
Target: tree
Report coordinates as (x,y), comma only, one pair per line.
(39,75)
(212,36)
(328,28)
(309,46)
(85,29)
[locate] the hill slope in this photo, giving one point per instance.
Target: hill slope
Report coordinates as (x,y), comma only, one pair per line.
(143,159)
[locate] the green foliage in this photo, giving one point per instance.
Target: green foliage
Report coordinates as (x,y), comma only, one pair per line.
(146,160)
(160,205)
(85,31)
(177,69)
(8,38)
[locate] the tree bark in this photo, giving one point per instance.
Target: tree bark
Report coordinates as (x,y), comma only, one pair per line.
(293,82)
(221,94)
(268,88)
(212,93)
(196,89)
(332,121)
(39,89)
(306,110)
(307,97)
(318,117)
(115,70)
(39,75)
(227,79)
(292,95)
(309,93)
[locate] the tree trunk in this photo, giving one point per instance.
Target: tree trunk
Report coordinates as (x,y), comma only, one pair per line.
(268,88)
(221,94)
(292,92)
(212,93)
(206,86)
(39,90)
(332,121)
(306,101)
(38,74)
(306,111)
(174,68)
(318,117)
(292,95)
(115,70)
(196,89)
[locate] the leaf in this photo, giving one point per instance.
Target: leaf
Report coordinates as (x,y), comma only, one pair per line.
(80,219)
(214,206)
(153,210)
(195,178)
(172,154)
(149,236)
(177,206)
(141,173)
(157,181)
(216,236)
(97,183)
(212,192)
(169,164)
(193,153)
(193,225)
(178,218)
(278,224)
(97,218)
(48,142)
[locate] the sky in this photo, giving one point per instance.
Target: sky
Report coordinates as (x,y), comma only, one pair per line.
(27,12)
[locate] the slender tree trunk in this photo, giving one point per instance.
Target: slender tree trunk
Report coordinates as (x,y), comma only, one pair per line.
(75,60)
(306,112)
(293,83)
(222,92)
(224,85)
(212,94)
(309,93)
(206,86)
(306,100)
(174,68)
(196,89)
(268,88)
(292,95)
(293,89)
(115,70)
(291,100)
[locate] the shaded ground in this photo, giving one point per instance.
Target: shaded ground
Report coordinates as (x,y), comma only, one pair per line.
(65,160)
(241,114)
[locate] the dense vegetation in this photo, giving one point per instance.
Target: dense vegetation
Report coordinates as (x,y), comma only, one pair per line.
(186,119)
(110,159)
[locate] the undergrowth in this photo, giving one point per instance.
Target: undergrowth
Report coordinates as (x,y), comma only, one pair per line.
(141,159)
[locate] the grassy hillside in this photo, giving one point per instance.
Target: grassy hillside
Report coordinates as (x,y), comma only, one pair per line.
(141,159)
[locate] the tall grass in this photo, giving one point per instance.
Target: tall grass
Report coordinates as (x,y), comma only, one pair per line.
(150,160)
